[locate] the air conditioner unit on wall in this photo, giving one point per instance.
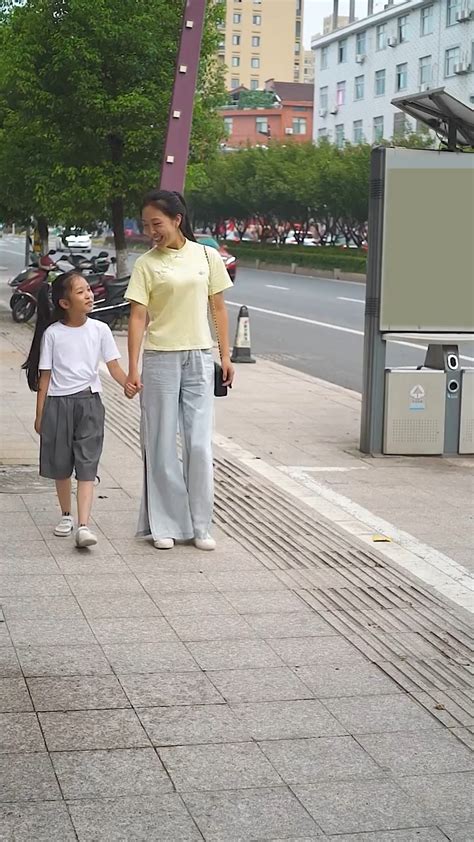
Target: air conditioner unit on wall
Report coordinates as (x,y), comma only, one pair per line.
(288,131)
(392,41)
(462,67)
(334,109)
(425,87)
(360,58)
(464,14)
(322,112)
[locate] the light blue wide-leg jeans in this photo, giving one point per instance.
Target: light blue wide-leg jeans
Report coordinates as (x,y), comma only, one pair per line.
(177,499)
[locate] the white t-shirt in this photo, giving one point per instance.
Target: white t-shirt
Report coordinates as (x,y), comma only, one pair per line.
(73,355)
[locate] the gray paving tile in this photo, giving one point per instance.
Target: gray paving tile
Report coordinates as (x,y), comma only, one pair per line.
(160,818)
(168,688)
(70,631)
(201,604)
(117,605)
(27,566)
(301,623)
(217,627)
(192,725)
(287,720)
(50,585)
(28,777)
(173,581)
(259,685)
(305,651)
(5,639)
(449,797)
(28,607)
(234,654)
(359,679)
(36,549)
(77,693)
(81,565)
(149,657)
(313,760)
(92,729)
(12,503)
(463,832)
(14,695)
(9,664)
(251,814)
(415,834)
(361,805)
(63,660)
(216,767)
(20,732)
(110,774)
(39,822)
(103,584)
(371,715)
(132,630)
(419,753)
(263,602)
(252,581)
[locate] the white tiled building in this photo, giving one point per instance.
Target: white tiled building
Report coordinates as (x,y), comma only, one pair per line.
(408,47)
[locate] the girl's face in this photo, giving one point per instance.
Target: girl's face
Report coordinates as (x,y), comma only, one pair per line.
(159,227)
(80,298)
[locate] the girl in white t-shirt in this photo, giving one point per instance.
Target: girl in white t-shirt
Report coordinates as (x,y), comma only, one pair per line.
(63,368)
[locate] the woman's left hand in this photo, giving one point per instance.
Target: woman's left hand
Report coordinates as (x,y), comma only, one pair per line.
(228,372)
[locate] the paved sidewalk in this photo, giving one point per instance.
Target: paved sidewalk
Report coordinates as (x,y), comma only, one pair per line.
(188,696)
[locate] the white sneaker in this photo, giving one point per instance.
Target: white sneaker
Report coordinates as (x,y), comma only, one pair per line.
(206,543)
(163,543)
(64,527)
(85,538)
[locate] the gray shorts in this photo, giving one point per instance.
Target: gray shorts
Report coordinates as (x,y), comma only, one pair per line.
(72,435)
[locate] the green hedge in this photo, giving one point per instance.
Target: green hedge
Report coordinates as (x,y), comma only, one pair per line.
(311,258)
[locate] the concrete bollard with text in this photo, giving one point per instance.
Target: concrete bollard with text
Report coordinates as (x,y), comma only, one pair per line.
(242,352)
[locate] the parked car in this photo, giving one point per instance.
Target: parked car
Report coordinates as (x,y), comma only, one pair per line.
(230,261)
(77,240)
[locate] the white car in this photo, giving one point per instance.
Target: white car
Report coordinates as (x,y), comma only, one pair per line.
(76,241)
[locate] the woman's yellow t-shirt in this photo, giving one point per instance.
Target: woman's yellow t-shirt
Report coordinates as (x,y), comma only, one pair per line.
(174,285)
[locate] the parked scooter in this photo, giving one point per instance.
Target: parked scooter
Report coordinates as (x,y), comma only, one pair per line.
(115,309)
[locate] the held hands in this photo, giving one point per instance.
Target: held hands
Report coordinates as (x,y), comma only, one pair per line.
(133,385)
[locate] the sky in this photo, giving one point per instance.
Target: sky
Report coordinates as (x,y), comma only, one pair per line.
(316,10)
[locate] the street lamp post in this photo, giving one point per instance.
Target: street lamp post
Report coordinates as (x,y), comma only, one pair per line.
(175,157)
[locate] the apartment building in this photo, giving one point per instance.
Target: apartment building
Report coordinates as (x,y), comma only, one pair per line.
(260,40)
(409,47)
(308,66)
(287,116)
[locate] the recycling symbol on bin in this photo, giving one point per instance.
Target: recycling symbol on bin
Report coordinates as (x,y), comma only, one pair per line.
(417,397)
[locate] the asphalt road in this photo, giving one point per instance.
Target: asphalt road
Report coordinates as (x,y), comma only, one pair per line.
(310,324)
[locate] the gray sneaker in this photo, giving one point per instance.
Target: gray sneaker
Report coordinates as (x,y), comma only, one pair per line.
(85,538)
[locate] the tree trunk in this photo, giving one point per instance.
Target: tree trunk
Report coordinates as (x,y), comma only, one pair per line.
(44,233)
(119,236)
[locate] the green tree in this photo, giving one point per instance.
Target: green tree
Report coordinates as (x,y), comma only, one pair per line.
(84,100)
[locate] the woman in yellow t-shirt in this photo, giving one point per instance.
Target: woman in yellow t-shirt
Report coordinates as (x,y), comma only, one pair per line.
(169,288)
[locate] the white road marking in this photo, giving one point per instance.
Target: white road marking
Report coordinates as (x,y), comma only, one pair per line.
(422,561)
(274,286)
(355,300)
(329,326)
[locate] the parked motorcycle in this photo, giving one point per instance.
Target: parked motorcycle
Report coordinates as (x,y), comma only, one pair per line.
(114,310)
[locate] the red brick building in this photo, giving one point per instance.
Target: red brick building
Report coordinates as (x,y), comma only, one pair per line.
(287,115)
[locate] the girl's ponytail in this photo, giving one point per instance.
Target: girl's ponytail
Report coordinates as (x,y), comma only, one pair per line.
(46,315)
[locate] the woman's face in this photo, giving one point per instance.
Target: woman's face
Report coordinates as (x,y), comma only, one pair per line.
(162,229)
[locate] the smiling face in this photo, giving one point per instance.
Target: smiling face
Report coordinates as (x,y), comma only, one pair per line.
(80,300)
(162,229)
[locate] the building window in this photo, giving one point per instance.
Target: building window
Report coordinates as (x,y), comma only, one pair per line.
(451,57)
(234,83)
(237,17)
(341,93)
(322,134)
(426,20)
(361,43)
(255,40)
(403,29)
(324,58)
(381,40)
(453,7)
(425,71)
(257,20)
(342,51)
(254,84)
(359,87)
(378,129)
(358,131)
(261,125)
(236,40)
(298,30)
(235,61)
(255,63)
(402,77)
(323,98)
(380,76)
(340,135)
(228,125)
(299,125)
(400,125)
